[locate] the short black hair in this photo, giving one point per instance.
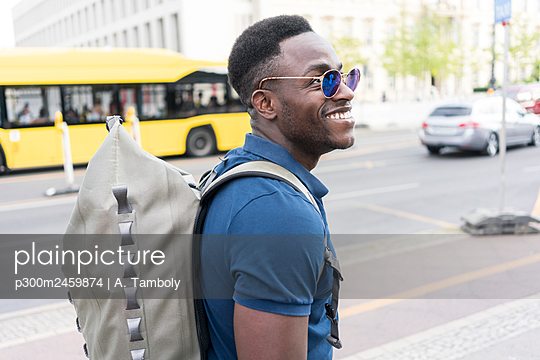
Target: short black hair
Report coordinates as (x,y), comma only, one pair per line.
(253,54)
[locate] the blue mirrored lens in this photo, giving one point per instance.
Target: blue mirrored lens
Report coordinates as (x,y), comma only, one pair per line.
(330,83)
(353,78)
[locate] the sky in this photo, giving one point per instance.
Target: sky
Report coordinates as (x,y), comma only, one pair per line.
(6,23)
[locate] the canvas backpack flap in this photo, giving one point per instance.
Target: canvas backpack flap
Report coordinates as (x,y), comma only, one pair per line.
(147,204)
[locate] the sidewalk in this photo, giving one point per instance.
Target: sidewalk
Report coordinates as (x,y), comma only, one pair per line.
(49,333)
(495,333)
(46,332)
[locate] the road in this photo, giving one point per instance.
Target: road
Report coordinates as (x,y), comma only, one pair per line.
(395,213)
(385,184)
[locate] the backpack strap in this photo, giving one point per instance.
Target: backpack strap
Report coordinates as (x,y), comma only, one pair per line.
(267,169)
(260,168)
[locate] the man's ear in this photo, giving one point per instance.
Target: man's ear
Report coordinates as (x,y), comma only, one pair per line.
(264,101)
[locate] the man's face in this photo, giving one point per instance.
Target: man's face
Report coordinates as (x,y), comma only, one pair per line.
(312,123)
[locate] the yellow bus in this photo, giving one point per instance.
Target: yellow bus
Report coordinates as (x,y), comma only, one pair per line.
(184,106)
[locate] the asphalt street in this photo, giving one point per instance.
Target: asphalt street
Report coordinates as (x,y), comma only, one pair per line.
(413,281)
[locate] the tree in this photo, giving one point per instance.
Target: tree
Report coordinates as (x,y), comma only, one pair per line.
(523,50)
(348,51)
(423,47)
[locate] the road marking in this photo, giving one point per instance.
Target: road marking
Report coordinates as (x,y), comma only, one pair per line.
(381,190)
(438,285)
(38,203)
(349,166)
(37,177)
(405,215)
(531,169)
(536,208)
(371,150)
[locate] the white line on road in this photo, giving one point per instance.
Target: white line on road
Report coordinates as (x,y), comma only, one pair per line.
(349,166)
(381,190)
(37,203)
(531,169)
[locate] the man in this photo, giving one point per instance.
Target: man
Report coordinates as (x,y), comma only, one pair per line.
(276,67)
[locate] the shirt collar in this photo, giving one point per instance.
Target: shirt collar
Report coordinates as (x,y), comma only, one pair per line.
(281,156)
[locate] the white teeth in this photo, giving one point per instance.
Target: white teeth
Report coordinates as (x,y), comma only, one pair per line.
(337,116)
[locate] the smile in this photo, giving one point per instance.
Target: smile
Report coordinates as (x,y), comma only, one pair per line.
(340,115)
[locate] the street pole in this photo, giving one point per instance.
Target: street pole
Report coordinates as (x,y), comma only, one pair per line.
(502,140)
(492,81)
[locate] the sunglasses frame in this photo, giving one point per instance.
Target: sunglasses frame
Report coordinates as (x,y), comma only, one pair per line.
(343,79)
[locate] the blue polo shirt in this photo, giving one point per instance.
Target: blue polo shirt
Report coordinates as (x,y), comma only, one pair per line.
(263,247)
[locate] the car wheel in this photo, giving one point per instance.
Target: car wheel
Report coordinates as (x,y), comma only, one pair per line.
(492,146)
(535,140)
(200,142)
(434,150)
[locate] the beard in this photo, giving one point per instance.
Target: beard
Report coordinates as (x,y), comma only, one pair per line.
(315,139)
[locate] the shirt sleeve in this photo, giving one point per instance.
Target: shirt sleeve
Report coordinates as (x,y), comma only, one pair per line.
(275,252)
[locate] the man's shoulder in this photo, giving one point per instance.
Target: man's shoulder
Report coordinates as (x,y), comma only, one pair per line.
(260,192)
(261,205)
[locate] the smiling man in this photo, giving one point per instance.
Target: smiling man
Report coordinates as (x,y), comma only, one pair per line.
(272,286)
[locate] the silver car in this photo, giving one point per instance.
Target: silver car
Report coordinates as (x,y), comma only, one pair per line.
(476,126)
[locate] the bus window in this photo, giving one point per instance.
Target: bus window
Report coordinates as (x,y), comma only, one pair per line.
(31,105)
(89,104)
(154,102)
(128,97)
(234,104)
(210,98)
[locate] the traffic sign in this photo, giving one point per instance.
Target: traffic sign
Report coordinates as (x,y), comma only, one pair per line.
(503,10)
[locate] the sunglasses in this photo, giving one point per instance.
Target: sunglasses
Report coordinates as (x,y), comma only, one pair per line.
(330,81)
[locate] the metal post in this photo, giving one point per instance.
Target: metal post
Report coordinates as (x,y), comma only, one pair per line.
(502,140)
(492,80)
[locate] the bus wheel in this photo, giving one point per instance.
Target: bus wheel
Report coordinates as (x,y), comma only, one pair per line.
(200,142)
(3,165)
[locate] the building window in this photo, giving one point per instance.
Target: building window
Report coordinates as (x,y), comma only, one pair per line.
(135,6)
(86,19)
(103,13)
(161,34)
(125,38)
(94,15)
(148,35)
(176,33)
(368,76)
(348,27)
(391,81)
(80,23)
(328,26)
(136,36)
(115,40)
(476,36)
(368,34)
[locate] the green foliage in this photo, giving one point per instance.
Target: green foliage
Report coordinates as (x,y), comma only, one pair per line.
(348,51)
(422,48)
(523,49)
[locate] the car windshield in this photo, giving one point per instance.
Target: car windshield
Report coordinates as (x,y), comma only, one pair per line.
(451,111)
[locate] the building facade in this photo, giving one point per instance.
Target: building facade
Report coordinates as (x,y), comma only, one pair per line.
(206,29)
